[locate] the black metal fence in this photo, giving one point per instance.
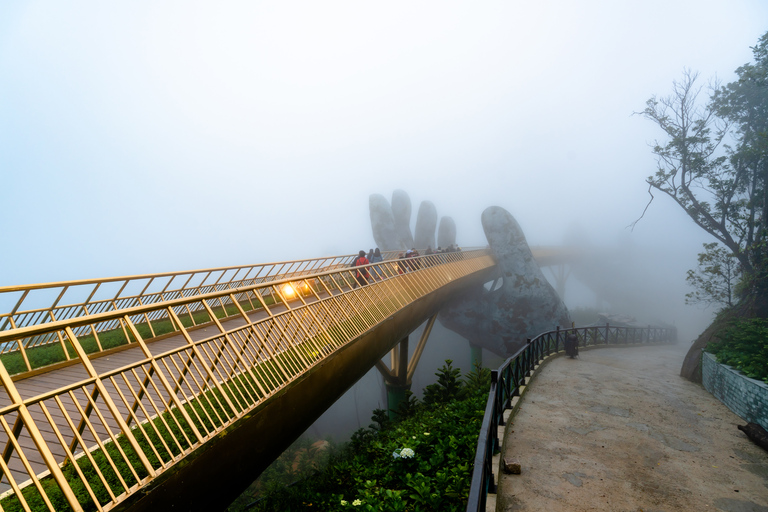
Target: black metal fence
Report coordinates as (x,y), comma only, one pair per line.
(506,382)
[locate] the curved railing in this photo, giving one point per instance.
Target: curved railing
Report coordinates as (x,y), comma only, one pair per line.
(68,299)
(107,432)
(507,380)
(31,305)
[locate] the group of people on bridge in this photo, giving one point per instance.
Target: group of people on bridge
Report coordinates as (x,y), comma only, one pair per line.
(363,275)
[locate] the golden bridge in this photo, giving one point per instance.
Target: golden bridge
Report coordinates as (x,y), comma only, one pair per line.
(149,391)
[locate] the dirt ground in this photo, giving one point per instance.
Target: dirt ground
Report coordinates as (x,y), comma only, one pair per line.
(619,430)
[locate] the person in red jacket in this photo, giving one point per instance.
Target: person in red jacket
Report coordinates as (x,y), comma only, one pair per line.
(362,275)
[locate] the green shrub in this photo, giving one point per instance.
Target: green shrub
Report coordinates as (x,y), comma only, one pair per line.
(744,345)
(447,387)
(422,462)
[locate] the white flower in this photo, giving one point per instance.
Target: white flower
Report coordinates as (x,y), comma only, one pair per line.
(357,503)
(426,433)
(396,454)
(343,502)
(407,453)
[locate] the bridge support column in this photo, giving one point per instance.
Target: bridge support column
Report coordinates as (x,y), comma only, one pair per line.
(396,395)
(476,355)
(398,379)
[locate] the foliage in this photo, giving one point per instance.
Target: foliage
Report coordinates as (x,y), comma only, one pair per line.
(418,463)
(714,280)
(744,345)
(446,388)
(408,406)
(714,162)
(301,460)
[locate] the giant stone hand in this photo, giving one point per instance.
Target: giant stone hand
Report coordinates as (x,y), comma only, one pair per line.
(391,225)
(499,320)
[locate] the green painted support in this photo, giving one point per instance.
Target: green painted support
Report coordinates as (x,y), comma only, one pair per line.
(476,355)
(395,396)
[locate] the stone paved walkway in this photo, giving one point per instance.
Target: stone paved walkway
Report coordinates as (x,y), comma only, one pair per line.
(619,430)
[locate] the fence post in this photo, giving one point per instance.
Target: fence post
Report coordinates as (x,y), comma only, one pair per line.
(607,332)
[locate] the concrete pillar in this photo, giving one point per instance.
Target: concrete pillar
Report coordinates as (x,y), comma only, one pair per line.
(396,390)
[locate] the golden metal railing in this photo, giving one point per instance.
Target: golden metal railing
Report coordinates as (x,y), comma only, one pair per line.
(106,431)
(71,299)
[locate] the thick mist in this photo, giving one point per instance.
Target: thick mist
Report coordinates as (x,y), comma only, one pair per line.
(141,137)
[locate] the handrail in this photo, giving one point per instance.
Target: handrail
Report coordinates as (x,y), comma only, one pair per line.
(148,288)
(150,413)
(506,382)
(156,289)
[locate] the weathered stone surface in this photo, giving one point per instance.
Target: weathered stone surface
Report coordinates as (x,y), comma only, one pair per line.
(401,210)
(525,304)
(426,223)
(512,466)
(446,232)
(383,224)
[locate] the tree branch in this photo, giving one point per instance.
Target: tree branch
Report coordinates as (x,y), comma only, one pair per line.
(632,226)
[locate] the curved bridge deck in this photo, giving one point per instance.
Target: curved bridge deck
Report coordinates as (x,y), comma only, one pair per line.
(197,384)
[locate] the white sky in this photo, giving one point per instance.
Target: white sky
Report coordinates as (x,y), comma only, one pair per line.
(155,136)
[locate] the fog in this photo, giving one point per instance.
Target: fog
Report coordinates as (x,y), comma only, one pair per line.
(140,137)
(144,137)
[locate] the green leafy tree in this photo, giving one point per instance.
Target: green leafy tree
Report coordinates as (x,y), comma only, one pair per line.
(447,387)
(714,280)
(714,163)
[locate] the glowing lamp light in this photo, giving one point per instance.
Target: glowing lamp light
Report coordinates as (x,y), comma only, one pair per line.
(289,291)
